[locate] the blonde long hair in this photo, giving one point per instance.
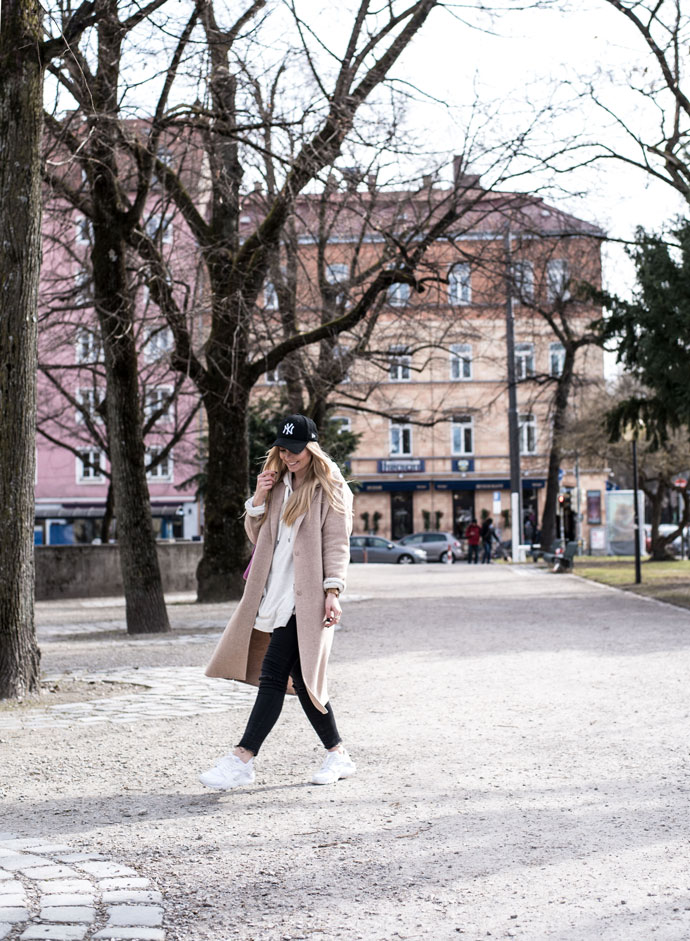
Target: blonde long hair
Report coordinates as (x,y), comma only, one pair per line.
(319,473)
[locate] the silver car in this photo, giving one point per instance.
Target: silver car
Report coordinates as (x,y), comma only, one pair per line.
(378,549)
(436,545)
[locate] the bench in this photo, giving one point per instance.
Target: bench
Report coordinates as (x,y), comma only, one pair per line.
(561,559)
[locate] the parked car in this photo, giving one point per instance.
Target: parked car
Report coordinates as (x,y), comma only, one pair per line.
(665,529)
(377,549)
(435,545)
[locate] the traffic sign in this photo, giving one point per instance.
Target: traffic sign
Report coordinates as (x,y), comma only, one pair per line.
(680,482)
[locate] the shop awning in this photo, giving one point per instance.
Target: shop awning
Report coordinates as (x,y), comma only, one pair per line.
(80,512)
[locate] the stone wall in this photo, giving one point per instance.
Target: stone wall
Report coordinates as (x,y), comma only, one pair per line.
(94,571)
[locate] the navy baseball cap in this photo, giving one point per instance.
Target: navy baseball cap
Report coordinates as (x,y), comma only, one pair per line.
(295,432)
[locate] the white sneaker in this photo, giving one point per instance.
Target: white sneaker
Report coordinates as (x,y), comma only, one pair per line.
(336,765)
(229,772)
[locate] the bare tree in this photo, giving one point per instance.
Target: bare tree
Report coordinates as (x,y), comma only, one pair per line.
(24,52)
(238,254)
(114,198)
(659,147)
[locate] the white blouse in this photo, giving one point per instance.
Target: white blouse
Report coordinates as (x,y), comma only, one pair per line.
(278,600)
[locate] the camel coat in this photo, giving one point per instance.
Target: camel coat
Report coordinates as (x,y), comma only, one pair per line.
(321,552)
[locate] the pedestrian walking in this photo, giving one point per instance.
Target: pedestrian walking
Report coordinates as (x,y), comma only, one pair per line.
(280,636)
(473,534)
(488,537)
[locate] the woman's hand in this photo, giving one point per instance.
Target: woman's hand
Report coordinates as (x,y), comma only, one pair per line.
(264,484)
(332,610)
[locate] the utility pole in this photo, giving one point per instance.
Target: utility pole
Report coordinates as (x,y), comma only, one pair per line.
(636,510)
(513,422)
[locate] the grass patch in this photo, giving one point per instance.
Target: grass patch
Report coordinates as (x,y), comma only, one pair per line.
(666,581)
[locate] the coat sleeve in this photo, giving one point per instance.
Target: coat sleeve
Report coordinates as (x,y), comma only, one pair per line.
(335,541)
(252,519)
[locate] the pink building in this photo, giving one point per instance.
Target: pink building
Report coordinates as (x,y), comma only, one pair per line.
(72,476)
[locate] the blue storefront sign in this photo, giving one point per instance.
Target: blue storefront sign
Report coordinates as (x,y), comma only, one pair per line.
(462,465)
(410,465)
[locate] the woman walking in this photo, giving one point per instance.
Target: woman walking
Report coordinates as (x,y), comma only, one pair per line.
(280,636)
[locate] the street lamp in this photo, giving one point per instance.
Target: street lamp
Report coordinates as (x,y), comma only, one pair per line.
(636,509)
(513,426)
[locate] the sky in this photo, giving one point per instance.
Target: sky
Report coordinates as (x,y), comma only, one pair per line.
(548,55)
(516,62)
(510,65)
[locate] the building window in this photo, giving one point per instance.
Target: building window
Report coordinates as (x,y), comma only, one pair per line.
(341,356)
(162,470)
(87,346)
(527,426)
(159,343)
(90,466)
(270,296)
(524,360)
(522,275)
(461,361)
(84,230)
(460,284)
(557,280)
(462,435)
(275,377)
(398,294)
(337,274)
(83,293)
(155,399)
(89,399)
(158,227)
(341,423)
(594,507)
(399,363)
(401,437)
(165,156)
(556,359)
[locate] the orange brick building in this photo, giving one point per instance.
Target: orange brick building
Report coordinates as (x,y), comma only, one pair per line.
(426,386)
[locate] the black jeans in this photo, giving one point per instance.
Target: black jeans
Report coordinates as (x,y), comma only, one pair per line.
(473,554)
(280,662)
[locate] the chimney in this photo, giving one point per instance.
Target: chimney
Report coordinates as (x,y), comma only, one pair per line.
(257,187)
(427,181)
(463,181)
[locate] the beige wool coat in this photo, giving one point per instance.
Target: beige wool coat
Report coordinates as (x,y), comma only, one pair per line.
(321,550)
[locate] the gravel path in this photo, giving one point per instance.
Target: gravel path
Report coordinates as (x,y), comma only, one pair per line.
(521,740)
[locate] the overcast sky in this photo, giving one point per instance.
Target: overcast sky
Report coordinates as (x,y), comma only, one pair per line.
(517,63)
(547,55)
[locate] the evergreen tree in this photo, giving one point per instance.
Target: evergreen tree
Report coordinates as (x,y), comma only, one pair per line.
(652,335)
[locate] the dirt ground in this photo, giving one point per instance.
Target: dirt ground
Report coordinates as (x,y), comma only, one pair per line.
(521,743)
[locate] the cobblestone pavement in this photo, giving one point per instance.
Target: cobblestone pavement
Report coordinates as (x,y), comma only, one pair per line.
(166,693)
(49,891)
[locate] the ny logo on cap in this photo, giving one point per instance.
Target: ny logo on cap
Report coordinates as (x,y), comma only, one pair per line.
(289,428)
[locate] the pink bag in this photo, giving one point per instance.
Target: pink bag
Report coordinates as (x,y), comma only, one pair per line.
(245,574)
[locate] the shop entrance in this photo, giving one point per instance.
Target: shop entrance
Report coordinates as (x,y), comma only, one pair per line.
(530,515)
(463,511)
(401,513)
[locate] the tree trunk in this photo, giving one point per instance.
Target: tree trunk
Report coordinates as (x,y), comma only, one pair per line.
(144,601)
(107,521)
(21,102)
(225,543)
(560,407)
(656,502)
